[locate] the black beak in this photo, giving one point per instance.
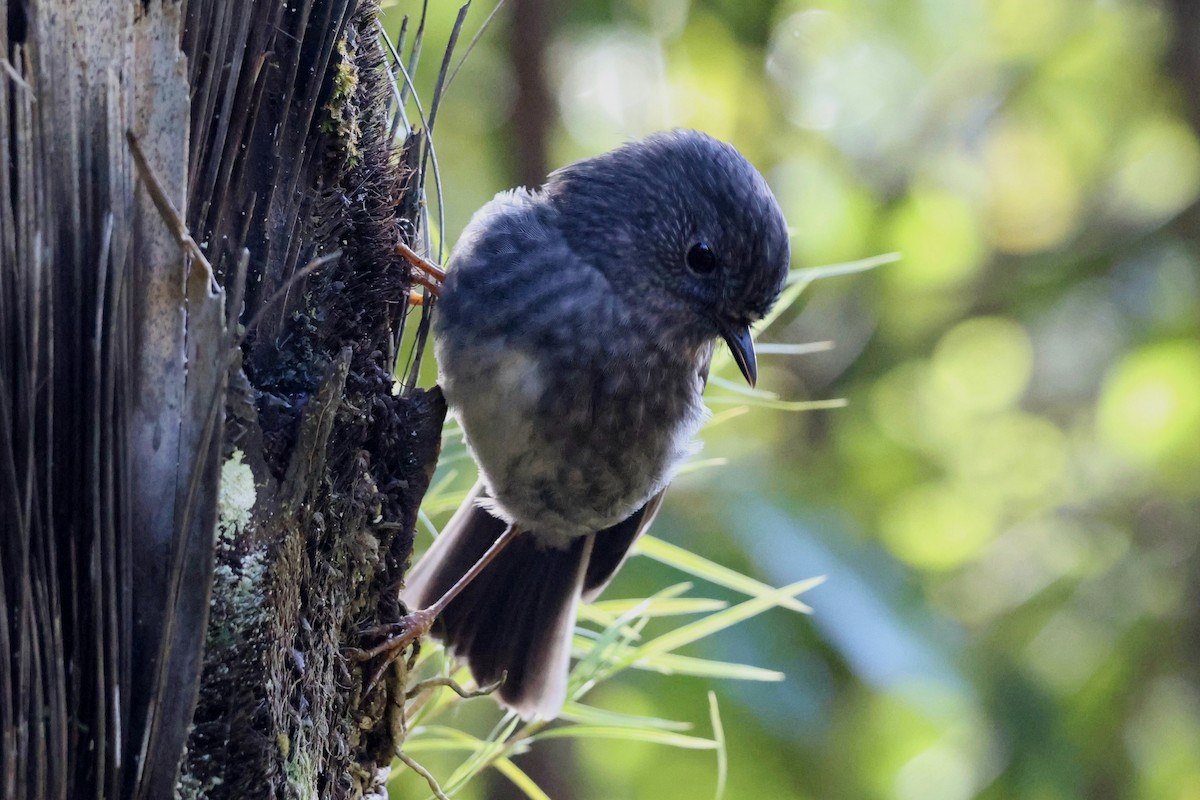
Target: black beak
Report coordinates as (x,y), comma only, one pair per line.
(742,346)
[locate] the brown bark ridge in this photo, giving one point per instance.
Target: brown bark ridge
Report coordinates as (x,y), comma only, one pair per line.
(208,478)
(109,337)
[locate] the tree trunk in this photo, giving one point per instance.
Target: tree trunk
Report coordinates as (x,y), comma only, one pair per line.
(208,480)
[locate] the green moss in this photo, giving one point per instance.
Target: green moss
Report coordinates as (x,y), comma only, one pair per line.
(342,118)
(193,787)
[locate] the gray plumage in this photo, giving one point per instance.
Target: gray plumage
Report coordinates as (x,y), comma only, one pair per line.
(573,338)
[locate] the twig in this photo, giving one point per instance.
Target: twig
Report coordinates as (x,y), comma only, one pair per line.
(453,685)
(474,41)
(430,151)
(238,295)
(439,89)
(415,55)
(7,66)
(166,208)
(424,773)
(401,118)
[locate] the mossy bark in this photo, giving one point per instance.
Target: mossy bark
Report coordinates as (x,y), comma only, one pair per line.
(340,459)
(208,474)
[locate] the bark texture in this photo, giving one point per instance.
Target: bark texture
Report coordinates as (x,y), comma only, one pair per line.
(177,437)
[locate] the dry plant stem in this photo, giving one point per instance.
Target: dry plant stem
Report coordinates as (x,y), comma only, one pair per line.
(166,208)
(424,773)
(455,686)
(416,697)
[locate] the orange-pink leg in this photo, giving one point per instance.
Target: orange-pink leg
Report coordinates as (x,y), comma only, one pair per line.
(399,635)
(425,272)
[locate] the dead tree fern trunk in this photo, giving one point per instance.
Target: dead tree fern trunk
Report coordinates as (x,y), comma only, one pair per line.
(200,424)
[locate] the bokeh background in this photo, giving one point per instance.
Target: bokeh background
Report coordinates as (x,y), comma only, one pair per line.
(1007,509)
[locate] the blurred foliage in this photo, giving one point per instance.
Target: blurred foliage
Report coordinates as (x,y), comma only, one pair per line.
(1007,509)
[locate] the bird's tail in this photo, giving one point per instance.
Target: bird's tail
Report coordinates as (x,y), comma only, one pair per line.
(518,615)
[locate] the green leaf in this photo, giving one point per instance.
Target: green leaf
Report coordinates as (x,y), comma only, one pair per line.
(807,275)
(590,715)
(427,523)
(675,664)
(442,485)
(627,734)
(659,607)
(689,562)
(760,398)
(583,644)
(440,738)
(440,498)
(774,349)
(522,781)
(797,281)
(721,417)
(594,665)
(702,463)
(486,753)
(714,714)
(703,628)
(423,744)
(741,388)
(779,405)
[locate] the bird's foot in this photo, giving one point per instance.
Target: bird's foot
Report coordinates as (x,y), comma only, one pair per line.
(424,272)
(396,638)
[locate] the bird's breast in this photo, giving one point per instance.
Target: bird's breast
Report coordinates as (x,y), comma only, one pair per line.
(572,442)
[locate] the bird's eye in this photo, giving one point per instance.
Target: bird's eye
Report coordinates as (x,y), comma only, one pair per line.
(701,259)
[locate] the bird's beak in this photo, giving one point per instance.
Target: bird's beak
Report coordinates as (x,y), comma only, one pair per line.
(742,346)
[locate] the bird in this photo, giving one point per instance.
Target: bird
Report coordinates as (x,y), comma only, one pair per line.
(574,330)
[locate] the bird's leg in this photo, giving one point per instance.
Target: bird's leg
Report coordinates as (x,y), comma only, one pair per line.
(425,272)
(399,635)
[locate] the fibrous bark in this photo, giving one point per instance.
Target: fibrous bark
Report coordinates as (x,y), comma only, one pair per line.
(299,164)
(148,386)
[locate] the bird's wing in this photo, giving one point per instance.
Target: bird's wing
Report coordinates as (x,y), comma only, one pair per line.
(612,547)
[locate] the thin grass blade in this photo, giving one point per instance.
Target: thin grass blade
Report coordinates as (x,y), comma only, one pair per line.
(714,714)
(702,629)
(590,715)
(627,734)
(692,564)
(519,779)
(675,664)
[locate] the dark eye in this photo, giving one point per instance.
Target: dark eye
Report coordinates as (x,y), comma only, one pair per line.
(701,259)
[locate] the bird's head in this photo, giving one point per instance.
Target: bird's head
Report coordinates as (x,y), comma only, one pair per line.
(685,229)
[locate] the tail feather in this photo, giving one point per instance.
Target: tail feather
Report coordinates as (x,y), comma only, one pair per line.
(518,615)
(612,547)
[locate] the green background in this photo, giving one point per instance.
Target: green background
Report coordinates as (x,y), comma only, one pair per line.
(1006,510)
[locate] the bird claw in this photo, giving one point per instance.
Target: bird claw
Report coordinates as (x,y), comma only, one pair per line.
(397,636)
(426,273)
